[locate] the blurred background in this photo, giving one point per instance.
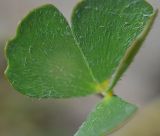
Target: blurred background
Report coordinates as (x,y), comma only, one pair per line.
(23,116)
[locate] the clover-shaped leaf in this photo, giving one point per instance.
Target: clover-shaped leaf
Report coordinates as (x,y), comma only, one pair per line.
(108,115)
(44,59)
(107,30)
(50,59)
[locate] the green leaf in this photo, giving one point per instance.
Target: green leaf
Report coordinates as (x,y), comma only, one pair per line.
(44,59)
(48,59)
(106,30)
(108,115)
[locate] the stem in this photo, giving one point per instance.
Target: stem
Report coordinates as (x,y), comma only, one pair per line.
(104,94)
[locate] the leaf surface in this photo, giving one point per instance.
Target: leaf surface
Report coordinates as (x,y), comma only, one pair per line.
(46,56)
(107,116)
(44,60)
(106,29)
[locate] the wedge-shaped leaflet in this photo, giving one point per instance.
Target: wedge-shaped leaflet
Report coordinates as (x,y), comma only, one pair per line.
(108,115)
(44,59)
(106,29)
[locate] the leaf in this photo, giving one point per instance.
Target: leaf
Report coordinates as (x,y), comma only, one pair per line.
(44,59)
(108,115)
(48,59)
(106,30)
